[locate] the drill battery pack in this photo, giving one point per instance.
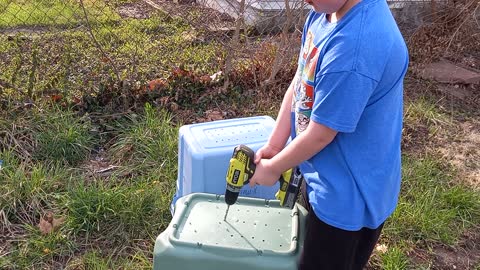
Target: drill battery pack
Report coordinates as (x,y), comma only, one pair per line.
(290,184)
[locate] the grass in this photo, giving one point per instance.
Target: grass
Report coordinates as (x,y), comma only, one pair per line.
(114,210)
(432,209)
(51,148)
(95,260)
(394,259)
(63,137)
(70,65)
(431,206)
(36,250)
(146,144)
(28,189)
(125,211)
(52,12)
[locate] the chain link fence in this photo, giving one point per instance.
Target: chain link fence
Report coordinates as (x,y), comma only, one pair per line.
(75,48)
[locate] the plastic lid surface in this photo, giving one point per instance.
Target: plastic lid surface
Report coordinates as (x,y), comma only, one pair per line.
(252,224)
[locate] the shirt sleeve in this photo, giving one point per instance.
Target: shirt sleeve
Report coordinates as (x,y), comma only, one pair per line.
(340,99)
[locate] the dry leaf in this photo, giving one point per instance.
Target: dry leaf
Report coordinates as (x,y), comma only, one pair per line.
(163,101)
(381,248)
(205,79)
(45,226)
(213,115)
(57,222)
(216,76)
(56,98)
(174,106)
(49,223)
(157,84)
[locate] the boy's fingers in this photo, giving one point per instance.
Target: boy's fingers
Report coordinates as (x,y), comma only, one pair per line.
(258,156)
(252,182)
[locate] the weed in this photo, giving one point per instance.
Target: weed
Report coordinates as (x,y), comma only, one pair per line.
(429,206)
(394,259)
(28,190)
(35,249)
(98,260)
(148,143)
(118,212)
(424,111)
(53,12)
(465,202)
(62,137)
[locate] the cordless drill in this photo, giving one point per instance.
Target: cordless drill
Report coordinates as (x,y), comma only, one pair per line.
(241,169)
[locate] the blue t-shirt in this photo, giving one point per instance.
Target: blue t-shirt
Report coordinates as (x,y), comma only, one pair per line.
(351,80)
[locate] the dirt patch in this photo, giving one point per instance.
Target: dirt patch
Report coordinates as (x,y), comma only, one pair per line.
(457,139)
(137,10)
(198,16)
(465,255)
(459,143)
(464,151)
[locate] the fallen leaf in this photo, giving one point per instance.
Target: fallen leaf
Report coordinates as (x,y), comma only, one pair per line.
(156,84)
(174,106)
(381,248)
(216,76)
(57,222)
(163,101)
(205,79)
(45,226)
(213,115)
(48,223)
(56,98)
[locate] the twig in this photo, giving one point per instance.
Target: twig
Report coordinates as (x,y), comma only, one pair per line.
(458,28)
(280,55)
(97,44)
(233,44)
(31,77)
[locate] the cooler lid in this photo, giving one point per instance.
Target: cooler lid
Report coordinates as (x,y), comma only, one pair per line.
(231,132)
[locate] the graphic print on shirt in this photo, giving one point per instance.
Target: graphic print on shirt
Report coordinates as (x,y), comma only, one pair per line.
(304,85)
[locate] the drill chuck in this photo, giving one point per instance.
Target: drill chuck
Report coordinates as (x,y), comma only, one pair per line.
(231,197)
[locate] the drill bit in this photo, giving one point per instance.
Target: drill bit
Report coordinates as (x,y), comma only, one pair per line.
(226,213)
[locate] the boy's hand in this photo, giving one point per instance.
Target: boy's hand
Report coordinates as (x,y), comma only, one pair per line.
(264,174)
(266,152)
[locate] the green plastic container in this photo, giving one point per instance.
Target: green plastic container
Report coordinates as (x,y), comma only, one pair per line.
(258,234)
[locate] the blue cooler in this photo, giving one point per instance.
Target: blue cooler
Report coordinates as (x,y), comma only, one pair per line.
(205,149)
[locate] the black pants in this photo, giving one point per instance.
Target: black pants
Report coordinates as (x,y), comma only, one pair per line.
(327,247)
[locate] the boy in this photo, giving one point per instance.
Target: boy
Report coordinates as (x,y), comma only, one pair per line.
(343,111)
